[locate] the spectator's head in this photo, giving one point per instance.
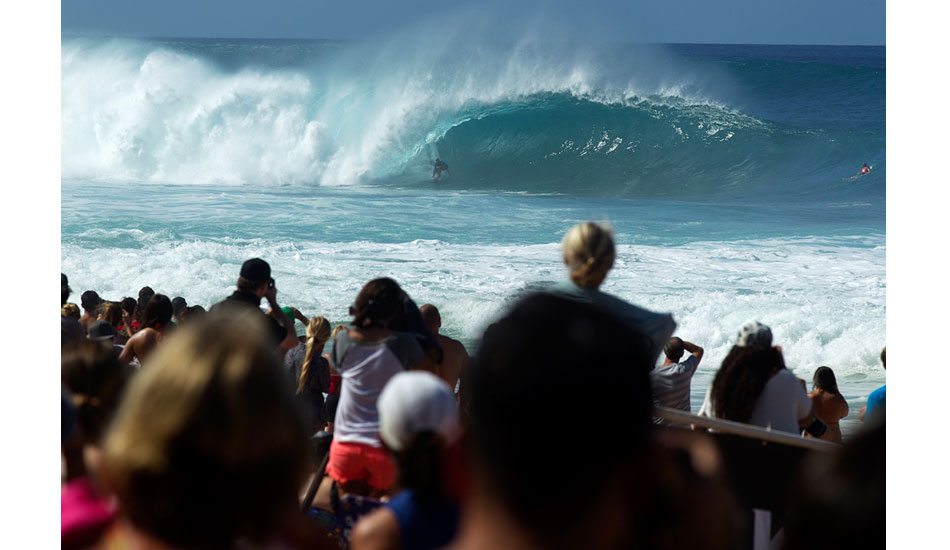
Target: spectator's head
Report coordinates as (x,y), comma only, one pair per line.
(71,310)
(111,312)
(129,305)
(90,301)
(418,419)
(64,289)
(741,379)
(190,313)
(101,331)
(754,335)
(377,304)
(178,304)
(588,254)
(209,445)
(529,463)
(839,499)
(158,311)
(824,379)
(145,294)
(674,349)
(431,317)
(255,276)
(96,380)
(318,332)
(884,357)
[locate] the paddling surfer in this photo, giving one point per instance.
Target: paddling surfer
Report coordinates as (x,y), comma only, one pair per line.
(864,169)
(438,168)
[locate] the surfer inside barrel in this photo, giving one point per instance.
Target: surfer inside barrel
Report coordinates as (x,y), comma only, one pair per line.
(864,168)
(439,167)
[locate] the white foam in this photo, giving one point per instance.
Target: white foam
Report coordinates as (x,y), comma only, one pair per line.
(141,112)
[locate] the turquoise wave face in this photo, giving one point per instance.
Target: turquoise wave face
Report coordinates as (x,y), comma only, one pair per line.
(612,122)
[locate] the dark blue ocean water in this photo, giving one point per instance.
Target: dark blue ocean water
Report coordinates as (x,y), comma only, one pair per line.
(726,171)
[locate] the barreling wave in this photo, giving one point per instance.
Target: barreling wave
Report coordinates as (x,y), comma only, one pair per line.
(527,117)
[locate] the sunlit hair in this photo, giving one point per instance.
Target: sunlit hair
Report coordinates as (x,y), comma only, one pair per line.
(318,332)
(740,380)
(824,379)
(111,312)
(96,379)
(71,310)
(589,253)
(208,445)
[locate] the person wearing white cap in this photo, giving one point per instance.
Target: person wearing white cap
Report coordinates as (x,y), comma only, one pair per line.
(418,421)
(753,386)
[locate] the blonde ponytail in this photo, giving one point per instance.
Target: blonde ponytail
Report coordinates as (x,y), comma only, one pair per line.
(589,253)
(318,332)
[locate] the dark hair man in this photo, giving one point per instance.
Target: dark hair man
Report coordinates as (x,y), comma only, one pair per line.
(671,380)
(89,301)
(455,356)
(253,284)
(70,329)
(178,304)
(527,491)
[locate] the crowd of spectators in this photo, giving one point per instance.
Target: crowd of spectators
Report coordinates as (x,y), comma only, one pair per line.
(191,428)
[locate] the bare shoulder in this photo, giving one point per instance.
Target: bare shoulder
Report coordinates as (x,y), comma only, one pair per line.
(377,530)
(451,344)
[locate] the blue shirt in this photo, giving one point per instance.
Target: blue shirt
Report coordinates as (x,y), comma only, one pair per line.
(424,524)
(875,406)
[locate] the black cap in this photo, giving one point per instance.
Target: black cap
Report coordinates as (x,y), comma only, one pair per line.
(100,331)
(256,270)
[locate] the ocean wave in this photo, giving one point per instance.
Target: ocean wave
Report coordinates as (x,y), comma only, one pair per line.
(521,118)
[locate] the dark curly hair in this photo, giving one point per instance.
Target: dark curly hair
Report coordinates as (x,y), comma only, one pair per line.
(740,380)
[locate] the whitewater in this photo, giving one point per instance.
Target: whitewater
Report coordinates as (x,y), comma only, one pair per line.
(726,172)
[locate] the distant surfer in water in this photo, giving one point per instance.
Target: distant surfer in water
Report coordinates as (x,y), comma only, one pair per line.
(864,169)
(439,167)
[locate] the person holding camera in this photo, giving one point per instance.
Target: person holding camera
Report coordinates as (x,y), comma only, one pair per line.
(253,284)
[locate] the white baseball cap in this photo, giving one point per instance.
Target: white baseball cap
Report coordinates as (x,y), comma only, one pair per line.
(416,401)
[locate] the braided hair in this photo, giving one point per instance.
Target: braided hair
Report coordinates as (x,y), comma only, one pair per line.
(318,332)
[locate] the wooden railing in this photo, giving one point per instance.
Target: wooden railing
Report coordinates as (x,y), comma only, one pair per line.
(744,430)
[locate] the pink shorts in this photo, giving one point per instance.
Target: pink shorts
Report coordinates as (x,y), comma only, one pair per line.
(355,461)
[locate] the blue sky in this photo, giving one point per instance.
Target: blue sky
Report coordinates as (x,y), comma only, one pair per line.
(699,21)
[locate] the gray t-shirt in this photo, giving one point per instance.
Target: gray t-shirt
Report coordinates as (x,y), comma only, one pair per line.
(671,384)
(365,368)
(782,403)
(657,326)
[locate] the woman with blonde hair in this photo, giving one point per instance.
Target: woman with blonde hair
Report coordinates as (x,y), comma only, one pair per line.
(310,372)
(589,254)
(208,449)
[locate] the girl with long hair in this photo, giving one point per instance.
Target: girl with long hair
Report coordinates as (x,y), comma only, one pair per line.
(367,355)
(753,386)
(310,372)
(830,405)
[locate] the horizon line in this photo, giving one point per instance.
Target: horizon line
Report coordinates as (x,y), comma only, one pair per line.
(297,39)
